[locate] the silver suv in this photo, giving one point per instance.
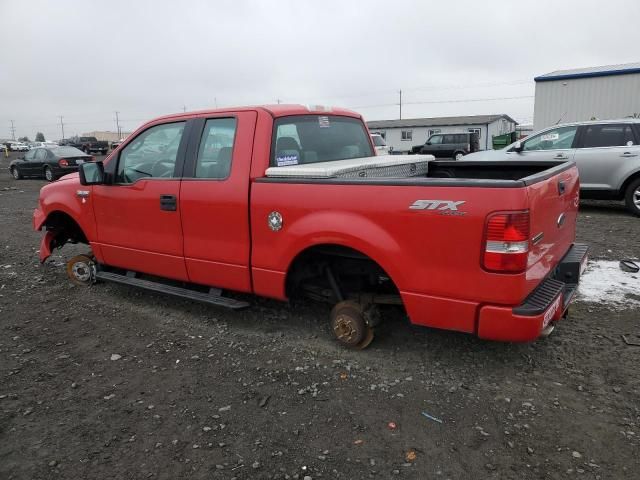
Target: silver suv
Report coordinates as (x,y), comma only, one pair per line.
(607,153)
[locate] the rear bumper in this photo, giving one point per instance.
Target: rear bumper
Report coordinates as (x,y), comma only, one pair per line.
(545,305)
(60,171)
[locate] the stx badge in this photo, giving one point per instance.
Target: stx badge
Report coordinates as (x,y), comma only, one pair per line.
(444,206)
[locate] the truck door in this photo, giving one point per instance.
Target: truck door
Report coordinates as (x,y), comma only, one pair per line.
(137,215)
(604,151)
(214,201)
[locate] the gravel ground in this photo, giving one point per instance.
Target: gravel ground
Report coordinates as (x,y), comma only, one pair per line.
(112,383)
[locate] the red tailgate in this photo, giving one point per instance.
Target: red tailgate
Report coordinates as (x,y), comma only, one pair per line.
(553,207)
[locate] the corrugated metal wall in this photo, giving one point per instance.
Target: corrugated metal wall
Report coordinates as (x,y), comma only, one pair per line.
(573,100)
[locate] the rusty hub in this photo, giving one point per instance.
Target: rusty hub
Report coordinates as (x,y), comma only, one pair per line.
(349,325)
(81,270)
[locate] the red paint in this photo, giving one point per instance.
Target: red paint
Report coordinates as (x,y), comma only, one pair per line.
(219,236)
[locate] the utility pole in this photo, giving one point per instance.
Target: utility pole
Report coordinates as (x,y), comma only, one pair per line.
(62,126)
(278,100)
(215,101)
(184,108)
(118,124)
(400,104)
(13,131)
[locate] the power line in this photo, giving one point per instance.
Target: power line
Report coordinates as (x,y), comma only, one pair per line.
(468,100)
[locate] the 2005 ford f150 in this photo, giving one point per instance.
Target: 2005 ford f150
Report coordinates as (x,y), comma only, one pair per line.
(286,200)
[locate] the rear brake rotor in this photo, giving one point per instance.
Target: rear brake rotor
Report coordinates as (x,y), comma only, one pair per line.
(349,325)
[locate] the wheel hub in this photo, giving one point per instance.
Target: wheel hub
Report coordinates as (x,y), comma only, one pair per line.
(81,271)
(345,328)
(636,198)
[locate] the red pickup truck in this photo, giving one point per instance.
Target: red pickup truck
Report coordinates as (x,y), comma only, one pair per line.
(285,200)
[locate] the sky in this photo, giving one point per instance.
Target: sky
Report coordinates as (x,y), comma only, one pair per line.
(84,60)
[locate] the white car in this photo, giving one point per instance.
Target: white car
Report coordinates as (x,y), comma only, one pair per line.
(19,147)
(381,146)
(45,144)
(606,152)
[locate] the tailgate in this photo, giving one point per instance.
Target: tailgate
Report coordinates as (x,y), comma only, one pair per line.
(553,206)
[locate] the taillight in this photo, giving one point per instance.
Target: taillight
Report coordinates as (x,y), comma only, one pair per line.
(63,162)
(507,242)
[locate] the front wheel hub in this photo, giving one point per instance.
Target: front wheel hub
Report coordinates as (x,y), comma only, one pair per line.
(81,270)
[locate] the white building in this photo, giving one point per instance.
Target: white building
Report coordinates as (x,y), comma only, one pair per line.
(107,136)
(600,93)
(404,134)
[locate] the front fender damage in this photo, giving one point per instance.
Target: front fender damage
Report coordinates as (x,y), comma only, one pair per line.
(46,245)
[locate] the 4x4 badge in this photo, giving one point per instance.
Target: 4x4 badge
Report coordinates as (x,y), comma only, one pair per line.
(274,221)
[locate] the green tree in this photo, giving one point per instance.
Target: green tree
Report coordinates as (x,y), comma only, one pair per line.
(40,137)
(24,139)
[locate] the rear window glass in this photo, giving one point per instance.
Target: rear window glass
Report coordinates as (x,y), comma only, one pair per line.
(378,141)
(67,151)
(318,138)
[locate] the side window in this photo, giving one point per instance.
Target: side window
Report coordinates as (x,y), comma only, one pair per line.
(29,156)
(152,154)
(436,140)
(216,148)
(607,135)
(557,138)
(449,139)
(406,135)
(41,154)
(477,131)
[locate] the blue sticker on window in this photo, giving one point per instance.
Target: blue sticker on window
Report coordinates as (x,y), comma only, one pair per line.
(286,160)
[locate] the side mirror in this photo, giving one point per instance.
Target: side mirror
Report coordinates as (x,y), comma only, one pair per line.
(517,147)
(428,143)
(91,173)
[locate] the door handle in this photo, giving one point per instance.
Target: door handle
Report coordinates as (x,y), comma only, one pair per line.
(168,203)
(561,156)
(629,154)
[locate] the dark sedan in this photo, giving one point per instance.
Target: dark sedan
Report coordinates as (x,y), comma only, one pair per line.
(50,163)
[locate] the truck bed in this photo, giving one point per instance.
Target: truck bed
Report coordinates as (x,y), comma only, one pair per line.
(471,173)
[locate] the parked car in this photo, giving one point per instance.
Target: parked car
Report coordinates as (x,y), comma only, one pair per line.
(449,145)
(50,163)
(380,145)
(607,154)
(45,144)
(216,201)
(115,145)
(88,144)
(19,147)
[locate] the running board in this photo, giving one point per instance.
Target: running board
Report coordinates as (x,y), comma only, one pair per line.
(130,279)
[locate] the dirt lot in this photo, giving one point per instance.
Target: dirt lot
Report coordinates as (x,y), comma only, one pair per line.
(114,383)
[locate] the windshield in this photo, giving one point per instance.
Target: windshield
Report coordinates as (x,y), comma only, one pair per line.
(378,141)
(318,138)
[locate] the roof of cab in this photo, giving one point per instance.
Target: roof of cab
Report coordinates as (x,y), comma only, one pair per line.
(278,110)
